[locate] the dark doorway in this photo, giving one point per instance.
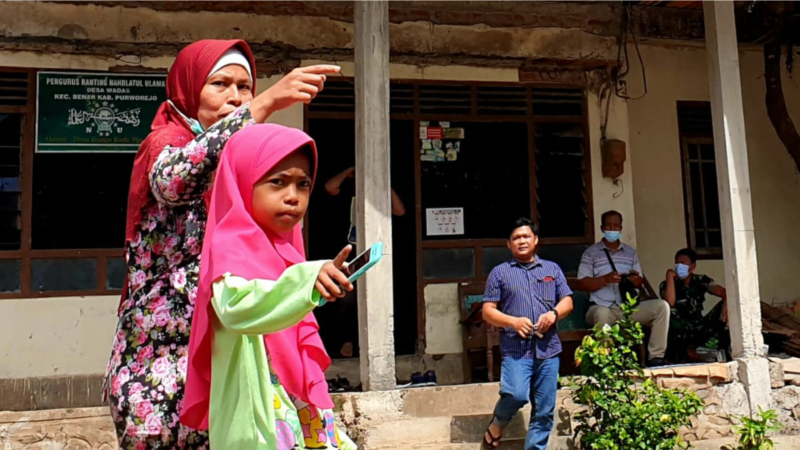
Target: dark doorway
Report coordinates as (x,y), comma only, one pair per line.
(329,223)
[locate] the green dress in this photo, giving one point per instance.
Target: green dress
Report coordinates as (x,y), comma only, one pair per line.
(249,408)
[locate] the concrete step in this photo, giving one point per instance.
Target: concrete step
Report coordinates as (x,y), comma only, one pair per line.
(559,443)
(431,417)
(471,428)
(424,432)
(565,443)
(511,444)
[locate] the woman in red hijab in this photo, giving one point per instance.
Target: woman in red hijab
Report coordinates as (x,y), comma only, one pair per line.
(210,91)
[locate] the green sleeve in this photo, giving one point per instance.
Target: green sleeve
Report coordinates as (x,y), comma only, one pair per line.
(267,306)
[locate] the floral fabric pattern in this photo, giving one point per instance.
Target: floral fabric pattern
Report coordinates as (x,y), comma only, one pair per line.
(147,370)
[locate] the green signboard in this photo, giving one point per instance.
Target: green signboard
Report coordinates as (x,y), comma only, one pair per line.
(95,112)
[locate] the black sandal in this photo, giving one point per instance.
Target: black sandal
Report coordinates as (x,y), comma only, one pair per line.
(494,443)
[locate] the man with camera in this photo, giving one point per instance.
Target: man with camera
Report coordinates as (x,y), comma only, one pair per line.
(610,270)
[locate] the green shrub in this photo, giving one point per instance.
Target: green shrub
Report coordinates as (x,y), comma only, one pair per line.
(752,433)
(620,415)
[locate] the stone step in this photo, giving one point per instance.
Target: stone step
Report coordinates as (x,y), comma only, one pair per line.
(423,432)
(565,443)
(432,401)
(559,443)
(471,428)
(435,415)
(450,400)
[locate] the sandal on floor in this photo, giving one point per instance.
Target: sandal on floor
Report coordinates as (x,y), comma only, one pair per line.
(494,443)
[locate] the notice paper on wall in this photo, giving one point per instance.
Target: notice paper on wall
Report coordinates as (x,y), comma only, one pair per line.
(444,221)
(439,143)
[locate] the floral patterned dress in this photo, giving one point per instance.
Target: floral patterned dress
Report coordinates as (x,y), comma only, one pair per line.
(146,374)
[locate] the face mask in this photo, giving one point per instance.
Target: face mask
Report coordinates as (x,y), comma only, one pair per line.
(682,270)
(612,236)
(193,124)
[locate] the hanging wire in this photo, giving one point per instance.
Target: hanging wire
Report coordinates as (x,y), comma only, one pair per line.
(622,69)
(618,182)
(605,93)
(623,65)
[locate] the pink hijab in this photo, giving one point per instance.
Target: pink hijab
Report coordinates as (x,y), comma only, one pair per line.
(235,243)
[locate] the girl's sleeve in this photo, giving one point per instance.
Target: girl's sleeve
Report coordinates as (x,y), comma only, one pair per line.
(182,174)
(267,306)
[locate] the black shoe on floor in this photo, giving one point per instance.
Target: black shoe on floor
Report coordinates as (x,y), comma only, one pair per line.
(344,383)
(430,378)
(656,362)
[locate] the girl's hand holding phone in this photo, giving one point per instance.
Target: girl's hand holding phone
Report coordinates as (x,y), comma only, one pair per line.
(330,278)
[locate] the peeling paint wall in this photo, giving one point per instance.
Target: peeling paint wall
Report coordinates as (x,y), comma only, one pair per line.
(115,31)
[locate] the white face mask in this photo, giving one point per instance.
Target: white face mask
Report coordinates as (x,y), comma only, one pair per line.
(682,270)
(612,236)
(194,124)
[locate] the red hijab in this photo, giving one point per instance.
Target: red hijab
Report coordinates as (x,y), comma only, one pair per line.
(235,243)
(185,81)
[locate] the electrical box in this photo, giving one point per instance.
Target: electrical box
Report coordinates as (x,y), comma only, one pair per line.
(613,156)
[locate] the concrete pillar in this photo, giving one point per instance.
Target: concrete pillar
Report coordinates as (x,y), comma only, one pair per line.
(738,237)
(374,221)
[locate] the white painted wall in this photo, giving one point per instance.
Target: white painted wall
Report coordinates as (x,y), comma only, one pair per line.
(674,75)
(606,195)
(443,332)
(56,336)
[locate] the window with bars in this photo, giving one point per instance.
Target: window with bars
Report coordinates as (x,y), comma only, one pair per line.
(10,181)
(62,216)
(524,153)
(701,197)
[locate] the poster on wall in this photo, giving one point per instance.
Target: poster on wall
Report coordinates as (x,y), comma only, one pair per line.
(95,112)
(438,144)
(444,221)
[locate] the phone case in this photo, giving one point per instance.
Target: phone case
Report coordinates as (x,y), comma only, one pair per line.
(375,255)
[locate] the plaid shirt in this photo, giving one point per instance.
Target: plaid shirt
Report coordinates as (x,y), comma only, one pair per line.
(527,291)
(594,263)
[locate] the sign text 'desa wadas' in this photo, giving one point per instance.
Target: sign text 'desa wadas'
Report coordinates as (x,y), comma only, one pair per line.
(95,112)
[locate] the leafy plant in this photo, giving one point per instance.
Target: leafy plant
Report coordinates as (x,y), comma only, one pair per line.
(712,343)
(620,415)
(752,433)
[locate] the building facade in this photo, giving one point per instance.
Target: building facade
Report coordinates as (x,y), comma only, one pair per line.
(493,111)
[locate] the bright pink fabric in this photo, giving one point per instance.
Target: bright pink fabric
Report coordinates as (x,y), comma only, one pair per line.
(235,243)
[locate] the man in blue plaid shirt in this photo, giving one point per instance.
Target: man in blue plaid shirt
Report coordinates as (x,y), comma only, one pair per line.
(526,296)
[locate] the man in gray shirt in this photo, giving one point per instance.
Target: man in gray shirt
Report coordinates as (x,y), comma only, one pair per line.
(597,277)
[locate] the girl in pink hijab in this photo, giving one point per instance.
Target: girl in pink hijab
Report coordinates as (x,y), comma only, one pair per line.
(256,375)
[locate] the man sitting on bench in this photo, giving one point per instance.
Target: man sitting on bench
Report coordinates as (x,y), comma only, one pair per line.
(602,267)
(685,291)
